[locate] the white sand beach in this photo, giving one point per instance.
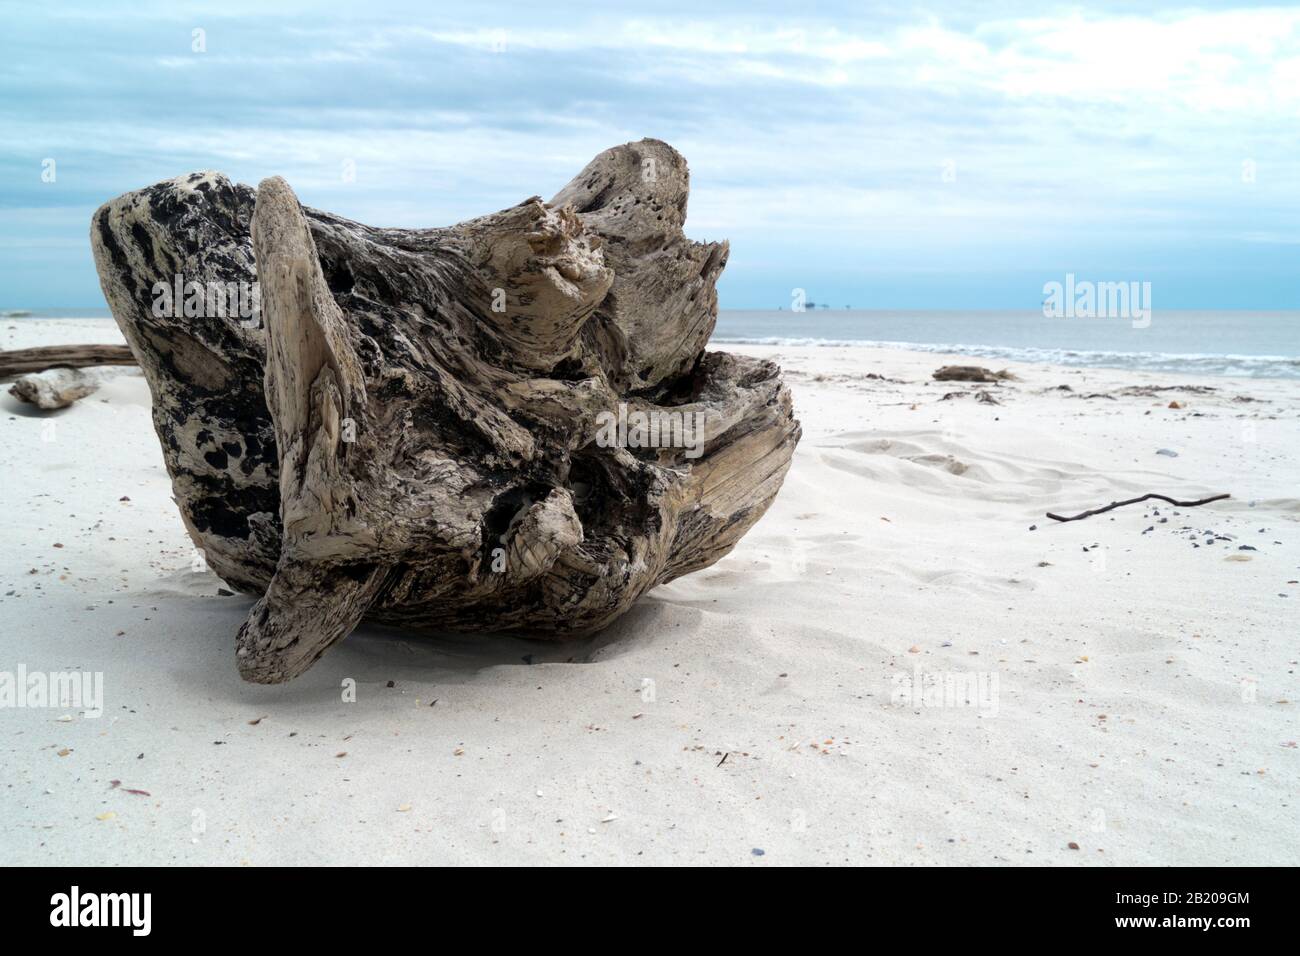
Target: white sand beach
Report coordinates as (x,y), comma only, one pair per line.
(1136,670)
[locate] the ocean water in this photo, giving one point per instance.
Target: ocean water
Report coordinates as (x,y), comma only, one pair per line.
(88,312)
(1250,344)
(1247,344)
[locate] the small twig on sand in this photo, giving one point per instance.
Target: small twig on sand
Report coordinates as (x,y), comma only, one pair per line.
(1133,501)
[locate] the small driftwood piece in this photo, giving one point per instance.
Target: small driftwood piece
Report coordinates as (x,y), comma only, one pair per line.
(976,373)
(1133,501)
(21,361)
(54,388)
(425,428)
(970,373)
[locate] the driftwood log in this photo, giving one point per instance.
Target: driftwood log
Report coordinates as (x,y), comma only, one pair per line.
(508,424)
(970,373)
(54,388)
(21,361)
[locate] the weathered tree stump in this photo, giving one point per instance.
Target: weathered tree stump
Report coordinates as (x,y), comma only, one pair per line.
(507,424)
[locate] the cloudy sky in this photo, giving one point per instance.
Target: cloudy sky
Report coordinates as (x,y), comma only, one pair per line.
(950,155)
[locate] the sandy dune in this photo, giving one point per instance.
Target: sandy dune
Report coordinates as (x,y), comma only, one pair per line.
(1134,673)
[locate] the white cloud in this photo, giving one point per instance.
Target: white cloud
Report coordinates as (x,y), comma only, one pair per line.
(1055,124)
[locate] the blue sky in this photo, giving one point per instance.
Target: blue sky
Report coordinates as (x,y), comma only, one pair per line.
(944,156)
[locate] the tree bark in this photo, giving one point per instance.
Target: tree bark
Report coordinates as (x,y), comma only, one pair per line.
(509,424)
